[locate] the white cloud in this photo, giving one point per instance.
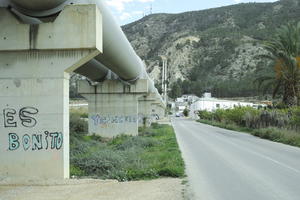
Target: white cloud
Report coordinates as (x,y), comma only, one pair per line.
(122,12)
(125,15)
(244,1)
(145,1)
(137,12)
(119,5)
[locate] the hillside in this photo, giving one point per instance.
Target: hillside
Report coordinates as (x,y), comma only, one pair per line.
(211,50)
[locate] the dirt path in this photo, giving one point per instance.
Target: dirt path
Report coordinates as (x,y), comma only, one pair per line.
(161,189)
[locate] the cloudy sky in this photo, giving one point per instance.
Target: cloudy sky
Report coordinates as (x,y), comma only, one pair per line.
(127,11)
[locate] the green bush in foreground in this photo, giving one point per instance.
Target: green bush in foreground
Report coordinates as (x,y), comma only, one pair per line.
(152,154)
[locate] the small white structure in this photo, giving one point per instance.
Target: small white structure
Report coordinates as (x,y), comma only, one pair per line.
(210,104)
(181,108)
(207,95)
(189,98)
(180,100)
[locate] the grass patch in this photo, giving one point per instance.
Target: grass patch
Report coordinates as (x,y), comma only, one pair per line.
(152,154)
(82,112)
(272,133)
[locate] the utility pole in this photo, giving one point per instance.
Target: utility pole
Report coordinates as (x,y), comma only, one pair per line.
(164,81)
(163,76)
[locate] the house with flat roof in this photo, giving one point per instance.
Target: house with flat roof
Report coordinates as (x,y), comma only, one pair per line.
(210,104)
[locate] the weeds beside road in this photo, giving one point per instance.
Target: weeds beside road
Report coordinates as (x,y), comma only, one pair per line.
(152,154)
(275,125)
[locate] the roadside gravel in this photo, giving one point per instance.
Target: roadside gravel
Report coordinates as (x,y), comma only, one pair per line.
(89,189)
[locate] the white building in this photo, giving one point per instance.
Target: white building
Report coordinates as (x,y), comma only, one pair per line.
(190,98)
(181,108)
(180,100)
(210,104)
(183,102)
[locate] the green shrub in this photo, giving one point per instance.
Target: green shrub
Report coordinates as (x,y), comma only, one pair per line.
(79,146)
(295,119)
(75,171)
(252,119)
(152,154)
(78,126)
(137,142)
(220,115)
(279,135)
(156,126)
(99,163)
(203,114)
(186,112)
(283,135)
(236,115)
(269,134)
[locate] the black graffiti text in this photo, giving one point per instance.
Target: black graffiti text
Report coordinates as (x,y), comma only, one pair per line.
(25,114)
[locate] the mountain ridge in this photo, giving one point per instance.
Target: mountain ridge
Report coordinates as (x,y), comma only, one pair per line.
(210,50)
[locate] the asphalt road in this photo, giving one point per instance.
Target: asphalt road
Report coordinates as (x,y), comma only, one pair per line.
(227,165)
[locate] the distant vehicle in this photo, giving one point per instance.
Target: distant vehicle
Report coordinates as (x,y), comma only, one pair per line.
(178,114)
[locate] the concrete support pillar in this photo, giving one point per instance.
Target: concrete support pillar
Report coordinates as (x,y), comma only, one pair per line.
(145,110)
(113,106)
(34,89)
(158,111)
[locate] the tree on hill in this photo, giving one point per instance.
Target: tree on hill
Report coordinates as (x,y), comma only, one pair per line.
(284,52)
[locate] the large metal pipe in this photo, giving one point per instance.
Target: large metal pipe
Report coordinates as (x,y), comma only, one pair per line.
(93,70)
(35,8)
(38,5)
(118,55)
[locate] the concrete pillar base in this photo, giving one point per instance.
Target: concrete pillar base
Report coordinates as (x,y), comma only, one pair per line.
(34,90)
(145,110)
(113,107)
(158,111)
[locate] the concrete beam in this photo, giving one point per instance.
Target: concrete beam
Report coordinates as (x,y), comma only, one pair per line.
(34,84)
(113,106)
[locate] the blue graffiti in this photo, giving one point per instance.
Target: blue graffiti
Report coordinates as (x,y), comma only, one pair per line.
(120,119)
(56,141)
(26,142)
(36,141)
(13,140)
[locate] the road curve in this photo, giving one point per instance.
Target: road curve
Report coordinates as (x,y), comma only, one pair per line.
(228,165)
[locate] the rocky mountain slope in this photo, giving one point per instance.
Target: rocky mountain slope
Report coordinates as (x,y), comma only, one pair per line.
(211,50)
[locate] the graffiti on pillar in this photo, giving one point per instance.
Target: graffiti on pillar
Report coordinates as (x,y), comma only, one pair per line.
(30,141)
(26,116)
(35,142)
(9,117)
(105,121)
(155,116)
